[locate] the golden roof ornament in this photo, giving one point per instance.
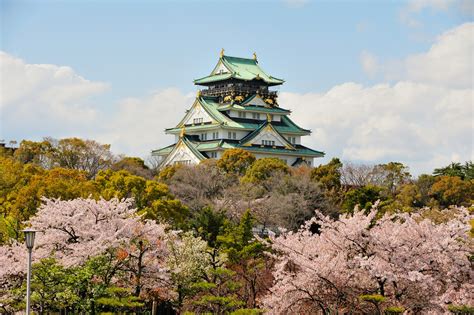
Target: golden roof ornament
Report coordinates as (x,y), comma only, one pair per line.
(255,56)
(199,93)
(269,117)
(222,52)
(183,130)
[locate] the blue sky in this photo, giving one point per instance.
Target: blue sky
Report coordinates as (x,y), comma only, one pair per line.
(140,48)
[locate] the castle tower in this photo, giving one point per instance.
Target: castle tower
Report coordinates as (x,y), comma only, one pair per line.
(237,109)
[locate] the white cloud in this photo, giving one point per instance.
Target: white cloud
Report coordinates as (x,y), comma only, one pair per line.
(449,61)
(408,122)
(39,100)
(138,127)
(413,7)
(424,118)
(43,97)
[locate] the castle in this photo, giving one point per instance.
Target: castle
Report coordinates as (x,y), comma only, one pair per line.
(237,109)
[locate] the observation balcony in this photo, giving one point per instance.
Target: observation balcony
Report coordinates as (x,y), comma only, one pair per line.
(238,90)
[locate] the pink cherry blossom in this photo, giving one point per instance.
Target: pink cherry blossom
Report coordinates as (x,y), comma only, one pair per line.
(414,263)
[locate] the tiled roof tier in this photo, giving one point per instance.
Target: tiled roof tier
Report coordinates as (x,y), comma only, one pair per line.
(238,68)
(214,145)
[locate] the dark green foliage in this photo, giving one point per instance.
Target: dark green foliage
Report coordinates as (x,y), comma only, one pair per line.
(465,171)
(461,309)
(328,175)
(373,298)
(235,161)
(209,224)
(262,169)
(365,197)
(394,310)
(391,176)
(217,294)
(118,300)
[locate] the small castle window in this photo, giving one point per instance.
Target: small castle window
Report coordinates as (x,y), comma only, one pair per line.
(197,121)
(268,142)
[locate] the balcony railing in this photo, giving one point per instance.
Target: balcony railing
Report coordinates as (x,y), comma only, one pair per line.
(237,90)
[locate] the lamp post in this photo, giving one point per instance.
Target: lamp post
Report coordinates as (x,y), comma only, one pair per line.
(30,242)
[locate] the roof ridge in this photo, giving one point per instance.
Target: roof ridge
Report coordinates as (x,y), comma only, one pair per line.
(242,58)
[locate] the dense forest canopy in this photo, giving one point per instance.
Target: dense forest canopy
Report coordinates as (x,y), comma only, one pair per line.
(234,235)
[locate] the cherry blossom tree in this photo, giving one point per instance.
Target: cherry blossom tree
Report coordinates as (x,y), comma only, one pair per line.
(327,266)
(74,231)
(188,262)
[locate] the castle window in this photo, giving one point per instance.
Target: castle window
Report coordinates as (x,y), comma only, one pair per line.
(215,135)
(268,142)
(183,162)
(242,115)
(231,135)
(197,121)
(256,115)
(204,136)
(213,155)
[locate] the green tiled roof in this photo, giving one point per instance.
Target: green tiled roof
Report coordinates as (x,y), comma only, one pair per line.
(300,151)
(212,108)
(163,151)
(241,69)
(256,109)
(253,134)
(285,126)
(202,146)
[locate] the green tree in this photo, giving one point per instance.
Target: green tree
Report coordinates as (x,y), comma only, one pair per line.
(235,161)
(262,169)
(153,199)
(84,155)
(118,299)
(217,294)
(328,175)
(51,287)
(39,153)
(209,224)
(391,176)
(168,172)
(424,183)
(23,185)
(465,171)
(409,195)
(247,259)
(452,190)
(133,165)
(364,196)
